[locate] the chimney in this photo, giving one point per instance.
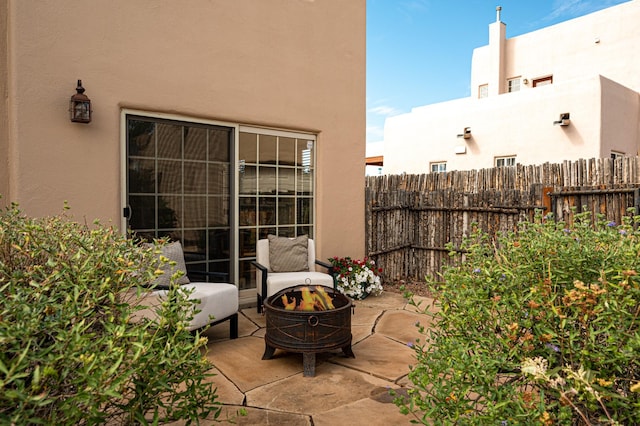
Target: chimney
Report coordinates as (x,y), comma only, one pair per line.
(497,49)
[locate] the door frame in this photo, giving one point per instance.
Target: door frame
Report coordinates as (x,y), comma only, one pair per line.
(247,296)
(233,201)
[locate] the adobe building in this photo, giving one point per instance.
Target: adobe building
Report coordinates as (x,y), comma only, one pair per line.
(564,92)
(213,122)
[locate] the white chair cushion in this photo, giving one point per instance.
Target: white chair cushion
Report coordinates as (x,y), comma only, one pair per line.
(218,300)
(262,253)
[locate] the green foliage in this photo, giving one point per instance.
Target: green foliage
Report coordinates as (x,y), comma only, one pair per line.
(69,351)
(539,326)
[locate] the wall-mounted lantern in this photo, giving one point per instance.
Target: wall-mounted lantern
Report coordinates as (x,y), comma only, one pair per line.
(466,133)
(80,106)
(564,120)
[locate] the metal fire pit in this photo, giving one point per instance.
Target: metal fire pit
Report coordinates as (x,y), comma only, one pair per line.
(307,332)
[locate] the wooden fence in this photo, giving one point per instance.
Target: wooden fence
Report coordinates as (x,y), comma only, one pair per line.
(411,218)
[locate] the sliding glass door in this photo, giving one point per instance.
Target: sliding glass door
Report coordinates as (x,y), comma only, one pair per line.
(179,181)
(217,189)
(275,190)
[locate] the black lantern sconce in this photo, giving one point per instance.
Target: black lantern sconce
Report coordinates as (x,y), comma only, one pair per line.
(80,106)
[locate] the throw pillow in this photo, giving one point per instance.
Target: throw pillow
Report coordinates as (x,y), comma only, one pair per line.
(173,252)
(288,254)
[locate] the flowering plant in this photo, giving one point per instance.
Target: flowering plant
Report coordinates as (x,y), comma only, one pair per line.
(549,315)
(357,278)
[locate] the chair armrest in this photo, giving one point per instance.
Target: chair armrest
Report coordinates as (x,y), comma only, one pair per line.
(259,265)
(326,265)
(264,271)
(152,287)
(330,271)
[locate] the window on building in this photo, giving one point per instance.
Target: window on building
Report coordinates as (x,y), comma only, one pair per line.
(505,161)
(513,84)
(617,154)
(483,91)
(543,81)
(438,167)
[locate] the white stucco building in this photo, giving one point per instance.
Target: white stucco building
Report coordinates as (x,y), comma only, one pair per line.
(586,70)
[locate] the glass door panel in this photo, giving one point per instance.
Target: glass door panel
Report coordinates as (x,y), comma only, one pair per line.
(169,140)
(178,186)
(195,143)
(268,148)
(286,151)
(267,180)
(248,148)
(275,190)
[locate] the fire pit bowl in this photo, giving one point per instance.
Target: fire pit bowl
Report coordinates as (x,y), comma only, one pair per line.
(307,332)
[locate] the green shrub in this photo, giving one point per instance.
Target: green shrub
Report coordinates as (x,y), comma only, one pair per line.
(539,326)
(69,352)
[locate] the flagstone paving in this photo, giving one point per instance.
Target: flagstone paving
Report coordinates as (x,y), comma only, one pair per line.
(344,391)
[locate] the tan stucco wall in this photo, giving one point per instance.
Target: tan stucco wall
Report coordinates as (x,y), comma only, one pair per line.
(291,64)
(4,99)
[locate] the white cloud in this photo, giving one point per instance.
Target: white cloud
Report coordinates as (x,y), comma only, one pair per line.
(384,110)
(569,9)
(377,112)
(410,8)
(415,5)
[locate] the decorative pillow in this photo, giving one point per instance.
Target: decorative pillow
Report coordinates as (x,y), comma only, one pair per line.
(288,254)
(173,252)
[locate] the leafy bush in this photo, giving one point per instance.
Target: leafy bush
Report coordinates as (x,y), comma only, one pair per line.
(69,352)
(540,326)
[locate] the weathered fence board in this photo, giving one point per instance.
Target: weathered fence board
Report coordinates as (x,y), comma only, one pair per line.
(410,219)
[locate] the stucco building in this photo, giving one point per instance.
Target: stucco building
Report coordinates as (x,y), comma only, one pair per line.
(564,92)
(213,122)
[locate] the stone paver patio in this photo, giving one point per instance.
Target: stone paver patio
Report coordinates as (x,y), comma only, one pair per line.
(344,391)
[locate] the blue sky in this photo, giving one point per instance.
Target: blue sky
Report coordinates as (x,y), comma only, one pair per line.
(419,51)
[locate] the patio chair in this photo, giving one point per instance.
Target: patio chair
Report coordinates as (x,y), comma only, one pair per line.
(283,262)
(217,301)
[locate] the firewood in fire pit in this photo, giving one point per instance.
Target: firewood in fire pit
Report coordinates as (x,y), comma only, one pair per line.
(324,298)
(318,300)
(288,305)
